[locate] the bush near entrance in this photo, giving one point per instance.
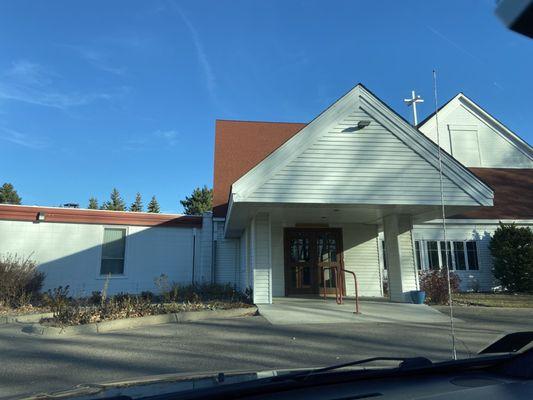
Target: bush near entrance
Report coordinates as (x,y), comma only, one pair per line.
(435,284)
(512,249)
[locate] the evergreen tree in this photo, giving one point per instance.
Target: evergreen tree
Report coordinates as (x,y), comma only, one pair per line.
(8,194)
(137,205)
(115,203)
(200,201)
(93,204)
(512,250)
(153,206)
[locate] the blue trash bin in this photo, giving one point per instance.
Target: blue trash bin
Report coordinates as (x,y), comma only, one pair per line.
(418,296)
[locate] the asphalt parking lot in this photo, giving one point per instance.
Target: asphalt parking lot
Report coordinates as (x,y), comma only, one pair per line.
(42,364)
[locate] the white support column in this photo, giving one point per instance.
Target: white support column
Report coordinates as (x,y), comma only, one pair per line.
(400,257)
(261,259)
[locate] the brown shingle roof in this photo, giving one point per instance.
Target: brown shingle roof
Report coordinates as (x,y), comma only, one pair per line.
(513,194)
(241,145)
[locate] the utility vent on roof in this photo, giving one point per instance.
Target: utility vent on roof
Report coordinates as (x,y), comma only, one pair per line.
(360,125)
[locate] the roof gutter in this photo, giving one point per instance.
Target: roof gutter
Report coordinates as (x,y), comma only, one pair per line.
(228,213)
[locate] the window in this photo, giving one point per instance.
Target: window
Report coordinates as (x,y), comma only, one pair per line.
(433,255)
(462,255)
(113,249)
(418,255)
(459,255)
(471,251)
(384,255)
(447,246)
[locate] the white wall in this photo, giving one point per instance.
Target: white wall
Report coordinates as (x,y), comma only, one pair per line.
(261,260)
(474,141)
(361,256)
(227,256)
(278,259)
(370,166)
(70,254)
(204,250)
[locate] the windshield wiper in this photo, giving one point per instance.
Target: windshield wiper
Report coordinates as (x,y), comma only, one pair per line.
(406,363)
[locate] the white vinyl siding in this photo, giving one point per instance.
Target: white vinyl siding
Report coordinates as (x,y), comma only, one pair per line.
(242,263)
(227,259)
(369,166)
(278,260)
(361,256)
(465,144)
(204,250)
(71,254)
(262,269)
(491,147)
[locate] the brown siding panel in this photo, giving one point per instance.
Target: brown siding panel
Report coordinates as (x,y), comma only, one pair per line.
(83,216)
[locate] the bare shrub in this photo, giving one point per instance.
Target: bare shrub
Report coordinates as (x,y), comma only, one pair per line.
(58,299)
(435,284)
(20,280)
(201,292)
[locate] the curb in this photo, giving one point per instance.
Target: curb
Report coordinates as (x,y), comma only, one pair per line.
(128,323)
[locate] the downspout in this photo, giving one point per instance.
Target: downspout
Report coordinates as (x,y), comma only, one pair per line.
(213,251)
(193,254)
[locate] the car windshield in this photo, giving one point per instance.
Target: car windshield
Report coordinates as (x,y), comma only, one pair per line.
(210,190)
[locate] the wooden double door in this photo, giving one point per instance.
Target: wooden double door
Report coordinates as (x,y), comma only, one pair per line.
(307,252)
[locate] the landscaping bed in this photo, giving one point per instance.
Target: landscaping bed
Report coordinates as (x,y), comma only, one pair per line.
(493,300)
(27,309)
(173,299)
(21,299)
(81,315)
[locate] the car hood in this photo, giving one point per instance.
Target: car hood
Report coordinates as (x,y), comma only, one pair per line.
(156,385)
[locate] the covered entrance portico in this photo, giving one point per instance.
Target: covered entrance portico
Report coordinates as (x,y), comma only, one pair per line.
(322,197)
(285,247)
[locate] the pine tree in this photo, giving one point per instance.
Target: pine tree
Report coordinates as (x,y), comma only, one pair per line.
(8,194)
(153,206)
(137,205)
(200,201)
(93,204)
(115,203)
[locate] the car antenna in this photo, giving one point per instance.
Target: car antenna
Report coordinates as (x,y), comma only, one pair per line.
(447,261)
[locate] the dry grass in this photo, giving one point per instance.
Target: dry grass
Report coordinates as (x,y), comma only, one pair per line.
(494,300)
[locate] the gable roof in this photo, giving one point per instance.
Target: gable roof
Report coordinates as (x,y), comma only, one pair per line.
(360,98)
(240,146)
(490,120)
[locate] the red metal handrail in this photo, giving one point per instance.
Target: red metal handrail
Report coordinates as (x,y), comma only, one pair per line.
(338,298)
(356,291)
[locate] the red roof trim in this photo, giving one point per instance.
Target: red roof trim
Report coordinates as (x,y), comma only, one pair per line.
(102,217)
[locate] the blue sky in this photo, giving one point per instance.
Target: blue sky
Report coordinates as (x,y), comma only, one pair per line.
(103,94)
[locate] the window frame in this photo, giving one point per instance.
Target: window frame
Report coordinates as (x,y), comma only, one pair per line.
(123,275)
(440,252)
(476,253)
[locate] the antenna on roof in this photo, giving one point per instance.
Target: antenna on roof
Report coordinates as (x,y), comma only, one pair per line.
(447,251)
(412,102)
